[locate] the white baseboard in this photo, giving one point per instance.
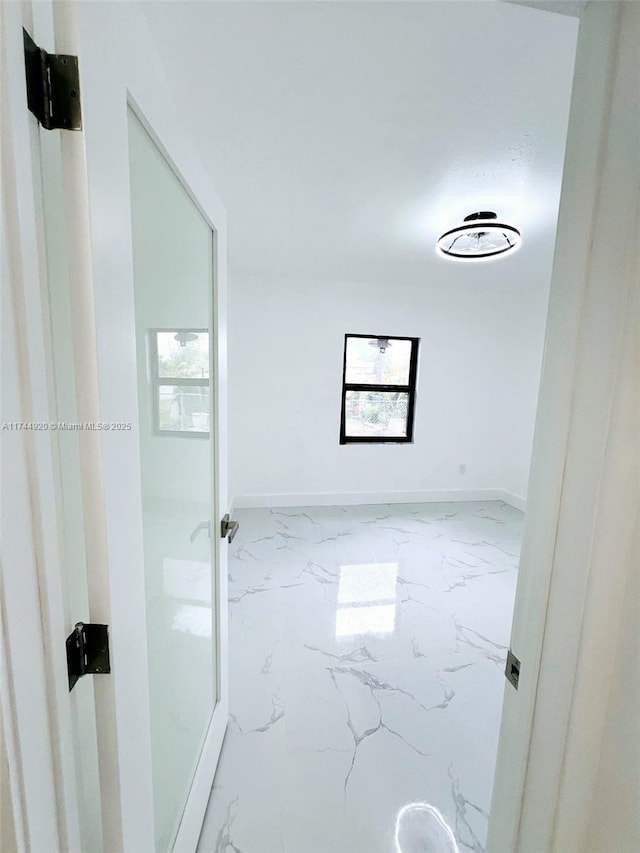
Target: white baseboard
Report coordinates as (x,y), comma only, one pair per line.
(514,500)
(364,498)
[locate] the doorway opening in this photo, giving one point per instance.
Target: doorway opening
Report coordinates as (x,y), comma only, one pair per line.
(372,583)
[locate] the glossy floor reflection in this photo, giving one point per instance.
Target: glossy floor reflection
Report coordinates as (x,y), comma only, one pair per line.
(367,646)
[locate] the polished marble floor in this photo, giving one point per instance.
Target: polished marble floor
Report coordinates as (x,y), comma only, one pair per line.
(367,645)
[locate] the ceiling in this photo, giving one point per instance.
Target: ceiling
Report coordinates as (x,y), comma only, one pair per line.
(343,137)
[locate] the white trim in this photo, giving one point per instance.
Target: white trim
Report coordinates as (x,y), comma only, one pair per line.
(572,8)
(192,820)
(516,501)
(366,498)
(13,830)
(584,483)
(37,708)
(120,68)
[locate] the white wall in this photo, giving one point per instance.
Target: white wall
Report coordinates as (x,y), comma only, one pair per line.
(479,366)
(348,181)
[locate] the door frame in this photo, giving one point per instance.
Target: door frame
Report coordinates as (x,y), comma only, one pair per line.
(42,772)
(35,708)
(578,540)
(97,185)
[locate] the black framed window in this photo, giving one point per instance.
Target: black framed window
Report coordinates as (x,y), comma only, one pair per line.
(378,389)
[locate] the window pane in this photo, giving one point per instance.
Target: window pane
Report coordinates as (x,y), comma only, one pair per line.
(379,413)
(183,353)
(184,408)
(378,361)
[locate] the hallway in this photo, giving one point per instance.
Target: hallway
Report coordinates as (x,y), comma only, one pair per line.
(367,648)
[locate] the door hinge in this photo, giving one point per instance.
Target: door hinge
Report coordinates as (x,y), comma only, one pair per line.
(512,669)
(53,87)
(87,651)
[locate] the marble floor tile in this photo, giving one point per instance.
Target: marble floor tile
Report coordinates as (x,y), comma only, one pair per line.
(367,648)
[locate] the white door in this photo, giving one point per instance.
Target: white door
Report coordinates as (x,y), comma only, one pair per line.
(142,463)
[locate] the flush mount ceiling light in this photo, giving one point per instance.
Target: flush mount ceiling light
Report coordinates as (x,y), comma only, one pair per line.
(480,236)
(184,338)
(383,344)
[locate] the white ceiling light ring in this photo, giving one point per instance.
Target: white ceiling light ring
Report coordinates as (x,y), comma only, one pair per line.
(510,234)
(479,237)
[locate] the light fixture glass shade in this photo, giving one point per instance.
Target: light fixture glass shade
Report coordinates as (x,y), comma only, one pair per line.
(480,236)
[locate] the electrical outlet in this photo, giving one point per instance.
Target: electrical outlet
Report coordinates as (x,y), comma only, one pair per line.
(462,468)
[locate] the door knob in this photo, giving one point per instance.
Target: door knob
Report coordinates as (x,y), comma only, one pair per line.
(228,528)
